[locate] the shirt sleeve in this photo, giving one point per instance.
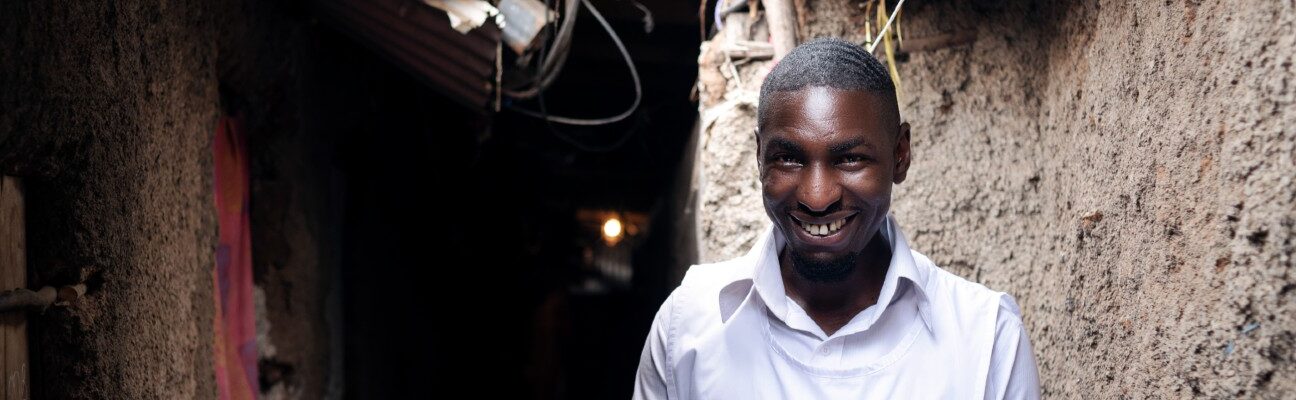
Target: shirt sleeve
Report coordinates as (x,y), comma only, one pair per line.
(655,376)
(1012,361)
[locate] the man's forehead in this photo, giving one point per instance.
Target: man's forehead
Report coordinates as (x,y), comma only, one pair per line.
(828,92)
(819,103)
(837,144)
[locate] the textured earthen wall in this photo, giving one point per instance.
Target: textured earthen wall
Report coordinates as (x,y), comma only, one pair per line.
(107,111)
(1124,169)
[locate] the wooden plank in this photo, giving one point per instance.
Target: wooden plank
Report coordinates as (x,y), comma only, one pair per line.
(13,274)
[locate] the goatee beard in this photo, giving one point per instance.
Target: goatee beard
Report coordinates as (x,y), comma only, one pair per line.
(824,271)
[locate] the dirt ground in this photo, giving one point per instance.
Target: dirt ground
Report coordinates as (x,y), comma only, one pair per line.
(1124,170)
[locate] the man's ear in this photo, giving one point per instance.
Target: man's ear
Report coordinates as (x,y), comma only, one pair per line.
(902,154)
(756,136)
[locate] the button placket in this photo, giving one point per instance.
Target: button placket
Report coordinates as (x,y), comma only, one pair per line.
(828,347)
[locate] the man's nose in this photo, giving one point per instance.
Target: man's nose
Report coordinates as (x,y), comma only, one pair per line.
(818,190)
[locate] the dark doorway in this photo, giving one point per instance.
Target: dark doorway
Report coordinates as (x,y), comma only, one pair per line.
(472,252)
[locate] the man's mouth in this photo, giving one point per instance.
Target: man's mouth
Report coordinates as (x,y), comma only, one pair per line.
(823,229)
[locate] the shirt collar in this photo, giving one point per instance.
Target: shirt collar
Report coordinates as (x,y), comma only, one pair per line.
(758,276)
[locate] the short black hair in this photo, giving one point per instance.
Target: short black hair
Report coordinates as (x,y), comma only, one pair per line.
(829,62)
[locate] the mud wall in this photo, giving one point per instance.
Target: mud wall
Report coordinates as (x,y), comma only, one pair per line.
(107,112)
(1124,170)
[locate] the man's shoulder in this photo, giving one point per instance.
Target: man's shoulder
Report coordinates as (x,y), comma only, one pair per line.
(715,274)
(953,292)
(698,298)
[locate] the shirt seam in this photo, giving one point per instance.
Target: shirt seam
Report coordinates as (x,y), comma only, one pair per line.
(672,390)
(1015,325)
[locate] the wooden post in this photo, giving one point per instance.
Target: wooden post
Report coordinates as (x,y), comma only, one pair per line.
(782,18)
(13,275)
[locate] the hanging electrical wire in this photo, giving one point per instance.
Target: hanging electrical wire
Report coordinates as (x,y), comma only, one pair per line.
(551,59)
(883,37)
(549,74)
(882,33)
(578,144)
(593,148)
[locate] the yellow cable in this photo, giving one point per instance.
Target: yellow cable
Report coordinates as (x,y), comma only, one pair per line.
(890,53)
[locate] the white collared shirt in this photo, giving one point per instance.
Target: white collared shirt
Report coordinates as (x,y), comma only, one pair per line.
(731,332)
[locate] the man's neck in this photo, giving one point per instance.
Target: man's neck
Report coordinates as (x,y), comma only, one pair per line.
(833,304)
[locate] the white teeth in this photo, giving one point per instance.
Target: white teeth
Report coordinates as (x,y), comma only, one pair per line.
(823,229)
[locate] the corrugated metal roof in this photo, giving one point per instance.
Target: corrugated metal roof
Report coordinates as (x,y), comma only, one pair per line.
(419,39)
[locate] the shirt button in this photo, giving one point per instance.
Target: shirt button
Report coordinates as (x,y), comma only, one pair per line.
(825,350)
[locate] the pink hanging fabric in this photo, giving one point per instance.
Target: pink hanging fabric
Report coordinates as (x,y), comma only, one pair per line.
(235,347)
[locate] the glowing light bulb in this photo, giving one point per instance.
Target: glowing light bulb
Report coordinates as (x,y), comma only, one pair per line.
(612,229)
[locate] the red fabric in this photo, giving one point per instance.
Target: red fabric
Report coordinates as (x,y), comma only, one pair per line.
(235,347)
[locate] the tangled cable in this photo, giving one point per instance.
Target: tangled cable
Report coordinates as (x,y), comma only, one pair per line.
(552,63)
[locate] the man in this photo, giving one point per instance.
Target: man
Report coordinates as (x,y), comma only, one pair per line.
(831,303)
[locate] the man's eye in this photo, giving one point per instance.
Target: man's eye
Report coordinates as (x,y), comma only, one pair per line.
(852,159)
(786,159)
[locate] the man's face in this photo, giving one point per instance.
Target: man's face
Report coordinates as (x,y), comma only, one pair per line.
(828,158)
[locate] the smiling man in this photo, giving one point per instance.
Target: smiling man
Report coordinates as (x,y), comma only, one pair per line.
(831,303)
